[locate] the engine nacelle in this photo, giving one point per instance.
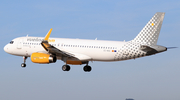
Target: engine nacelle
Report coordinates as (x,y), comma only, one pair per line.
(42,58)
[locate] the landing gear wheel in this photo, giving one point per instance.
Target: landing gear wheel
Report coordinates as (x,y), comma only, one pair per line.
(66,67)
(23,65)
(87,68)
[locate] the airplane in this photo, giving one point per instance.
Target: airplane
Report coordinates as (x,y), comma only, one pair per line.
(45,50)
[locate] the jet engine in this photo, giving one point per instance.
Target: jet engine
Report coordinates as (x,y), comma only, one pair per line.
(42,58)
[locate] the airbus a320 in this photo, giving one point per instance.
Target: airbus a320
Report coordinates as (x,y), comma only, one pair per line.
(45,50)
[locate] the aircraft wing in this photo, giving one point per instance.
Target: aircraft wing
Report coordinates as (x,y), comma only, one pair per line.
(53,50)
(62,53)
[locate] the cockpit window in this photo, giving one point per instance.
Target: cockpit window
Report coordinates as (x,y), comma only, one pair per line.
(11,42)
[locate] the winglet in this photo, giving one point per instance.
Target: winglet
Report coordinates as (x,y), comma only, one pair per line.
(47,35)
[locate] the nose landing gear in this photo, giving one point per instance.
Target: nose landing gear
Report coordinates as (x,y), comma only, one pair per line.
(24,64)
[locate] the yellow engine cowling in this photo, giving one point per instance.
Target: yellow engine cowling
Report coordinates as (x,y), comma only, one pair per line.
(42,58)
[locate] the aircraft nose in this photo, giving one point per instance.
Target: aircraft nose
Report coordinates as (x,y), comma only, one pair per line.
(6,48)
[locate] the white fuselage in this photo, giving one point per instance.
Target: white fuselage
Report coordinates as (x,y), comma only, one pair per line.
(97,50)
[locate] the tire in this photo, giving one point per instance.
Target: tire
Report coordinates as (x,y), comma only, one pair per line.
(23,65)
(66,67)
(87,68)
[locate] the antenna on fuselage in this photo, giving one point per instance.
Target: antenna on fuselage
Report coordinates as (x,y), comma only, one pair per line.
(27,35)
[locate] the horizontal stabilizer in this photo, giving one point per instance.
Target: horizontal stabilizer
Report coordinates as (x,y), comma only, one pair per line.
(152,49)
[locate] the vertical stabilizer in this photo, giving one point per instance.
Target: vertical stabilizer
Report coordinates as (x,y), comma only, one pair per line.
(150,33)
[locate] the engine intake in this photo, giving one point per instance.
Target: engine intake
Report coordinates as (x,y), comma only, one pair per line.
(42,58)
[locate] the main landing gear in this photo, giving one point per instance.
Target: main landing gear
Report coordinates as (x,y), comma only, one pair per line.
(66,67)
(24,64)
(86,68)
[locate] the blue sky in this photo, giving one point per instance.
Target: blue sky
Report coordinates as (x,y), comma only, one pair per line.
(151,78)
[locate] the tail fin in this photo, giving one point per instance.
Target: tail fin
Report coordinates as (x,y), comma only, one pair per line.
(150,33)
